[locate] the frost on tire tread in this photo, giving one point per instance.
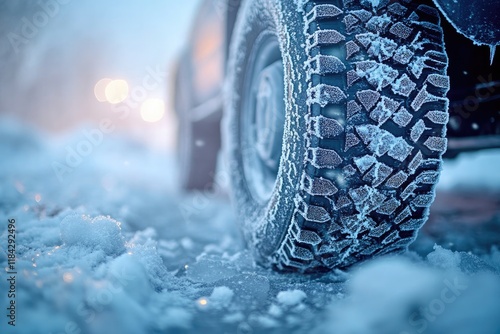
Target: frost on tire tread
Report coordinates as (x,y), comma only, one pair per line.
(369,174)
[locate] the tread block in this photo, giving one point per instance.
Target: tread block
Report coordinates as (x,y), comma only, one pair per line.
(348,171)
(328,65)
(413,17)
(350,22)
(285,260)
(422,201)
(370,250)
(378,24)
(436,144)
(423,97)
(397,9)
(417,65)
(325,11)
(403,55)
(341,244)
(428,177)
(331,261)
(362,14)
(412,225)
(409,190)
(368,98)
(393,236)
(347,2)
(437,58)
(438,80)
(402,215)
(417,130)
(403,86)
(352,76)
(308,237)
(428,13)
(401,30)
(342,202)
(434,31)
(397,180)
(389,206)
(326,94)
(384,110)
(326,127)
(364,163)
(327,37)
(364,39)
(378,174)
(402,117)
(334,227)
(321,187)
(401,245)
(351,140)
(301,253)
(351,49)
(316,214)
(415,163)
(366,199)
(431,163)
(324,158)
(365,66)
(378,231)
(437,117)
(352,108)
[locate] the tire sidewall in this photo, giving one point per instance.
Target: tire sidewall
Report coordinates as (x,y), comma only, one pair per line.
(264,226)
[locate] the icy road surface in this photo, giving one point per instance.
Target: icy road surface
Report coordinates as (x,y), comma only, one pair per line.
(110,246)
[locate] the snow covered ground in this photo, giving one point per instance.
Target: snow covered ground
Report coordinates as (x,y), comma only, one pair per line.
(109,245)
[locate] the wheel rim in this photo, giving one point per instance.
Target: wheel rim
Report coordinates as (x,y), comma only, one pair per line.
(263,117)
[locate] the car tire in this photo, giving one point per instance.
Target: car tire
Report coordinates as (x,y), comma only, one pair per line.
(363,127)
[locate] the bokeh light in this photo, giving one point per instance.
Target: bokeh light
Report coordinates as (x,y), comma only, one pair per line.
(68,277)
(152,110)
(100,89)
(116,91)
(202,302)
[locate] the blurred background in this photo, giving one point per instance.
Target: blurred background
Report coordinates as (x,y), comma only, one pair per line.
(66,63)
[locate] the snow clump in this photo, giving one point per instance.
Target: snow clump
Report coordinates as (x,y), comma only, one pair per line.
(99,233)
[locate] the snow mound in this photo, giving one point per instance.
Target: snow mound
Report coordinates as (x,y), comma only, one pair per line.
(100,232)
(221,296)
(291,297)
(397,295)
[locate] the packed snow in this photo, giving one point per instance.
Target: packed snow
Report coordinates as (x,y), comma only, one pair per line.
(112,246)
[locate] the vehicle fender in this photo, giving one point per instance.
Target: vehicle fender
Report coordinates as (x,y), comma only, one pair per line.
(478,20)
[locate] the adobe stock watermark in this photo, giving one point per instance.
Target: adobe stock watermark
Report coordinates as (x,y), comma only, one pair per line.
(30,26)
(93,138)
(420,320)
(483,91)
